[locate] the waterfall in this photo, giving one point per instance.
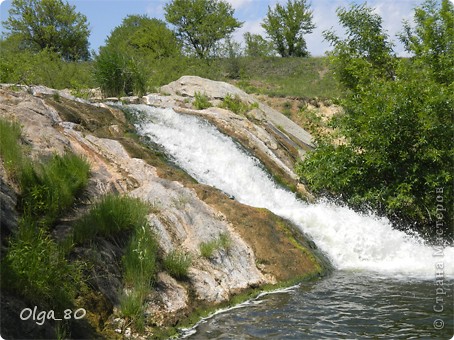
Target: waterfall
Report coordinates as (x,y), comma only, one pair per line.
(352,241)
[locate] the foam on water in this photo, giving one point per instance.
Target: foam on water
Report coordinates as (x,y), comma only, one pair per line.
(351,240)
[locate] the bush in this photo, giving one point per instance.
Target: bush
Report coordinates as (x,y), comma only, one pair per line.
(236,105)
(20,66)
(177,264)
(10,149)
(118,73)
(201,101)
(110,216)
(50,188)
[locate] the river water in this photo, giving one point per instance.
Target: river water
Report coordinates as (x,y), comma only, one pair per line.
(386,281)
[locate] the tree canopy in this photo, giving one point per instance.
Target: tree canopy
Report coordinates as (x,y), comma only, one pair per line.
(257,46)
(286,26)
(200,24)
(366,46)
(139,34)
(431,40)
(49,24)
(392,148)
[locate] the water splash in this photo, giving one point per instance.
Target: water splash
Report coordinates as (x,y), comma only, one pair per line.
(352,241)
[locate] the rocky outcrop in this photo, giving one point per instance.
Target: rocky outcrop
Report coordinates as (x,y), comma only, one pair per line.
(188,86)
(183,213)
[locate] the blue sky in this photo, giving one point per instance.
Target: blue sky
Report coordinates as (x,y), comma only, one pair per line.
(105,15)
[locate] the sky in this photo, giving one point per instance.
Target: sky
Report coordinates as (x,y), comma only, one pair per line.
(105,15)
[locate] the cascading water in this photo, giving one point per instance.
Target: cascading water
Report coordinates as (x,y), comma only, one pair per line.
(352,241)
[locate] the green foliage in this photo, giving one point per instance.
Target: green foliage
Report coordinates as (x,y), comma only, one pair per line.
(119,73)
(430,41)
(50,188)
(139,265)
(235,104)
(223,242)
(45,67)
(396,148)
(10,149)
(140,259)
(51,25)
(201,101)
(286,25)
(200,24)
(257,46)
(139,35)
(110,216)
(365,53)
(36,269)
(177,264)
(232,53)
(131,308)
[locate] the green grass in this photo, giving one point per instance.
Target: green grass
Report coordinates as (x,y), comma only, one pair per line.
(289,77)
(140,259)
(36,268)
(223,242)
(271,76)
(177,264)
(48,189)
(10,148)
(132,309)
(110,216)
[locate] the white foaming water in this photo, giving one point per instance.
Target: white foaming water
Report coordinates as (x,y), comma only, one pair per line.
(351,240)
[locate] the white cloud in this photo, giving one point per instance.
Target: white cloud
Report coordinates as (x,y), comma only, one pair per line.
(155,9)
(236,4)
(253,27)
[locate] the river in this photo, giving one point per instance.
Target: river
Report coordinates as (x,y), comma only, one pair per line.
(386,281)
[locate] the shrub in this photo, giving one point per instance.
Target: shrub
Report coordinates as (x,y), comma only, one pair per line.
(177,264)
(110,216)
(201,101)
(118,73)
(235,104)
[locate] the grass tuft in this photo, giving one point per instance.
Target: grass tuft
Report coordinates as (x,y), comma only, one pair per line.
(50,188)
(223,242)
(177,264)
(140,259)
(10,148)
(110,216)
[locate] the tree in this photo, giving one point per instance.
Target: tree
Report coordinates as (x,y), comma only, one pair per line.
(201,23)
(431,40)
(49,24)
(143,36)
(366,46)
(286,26)
(257,46)
(395,149)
